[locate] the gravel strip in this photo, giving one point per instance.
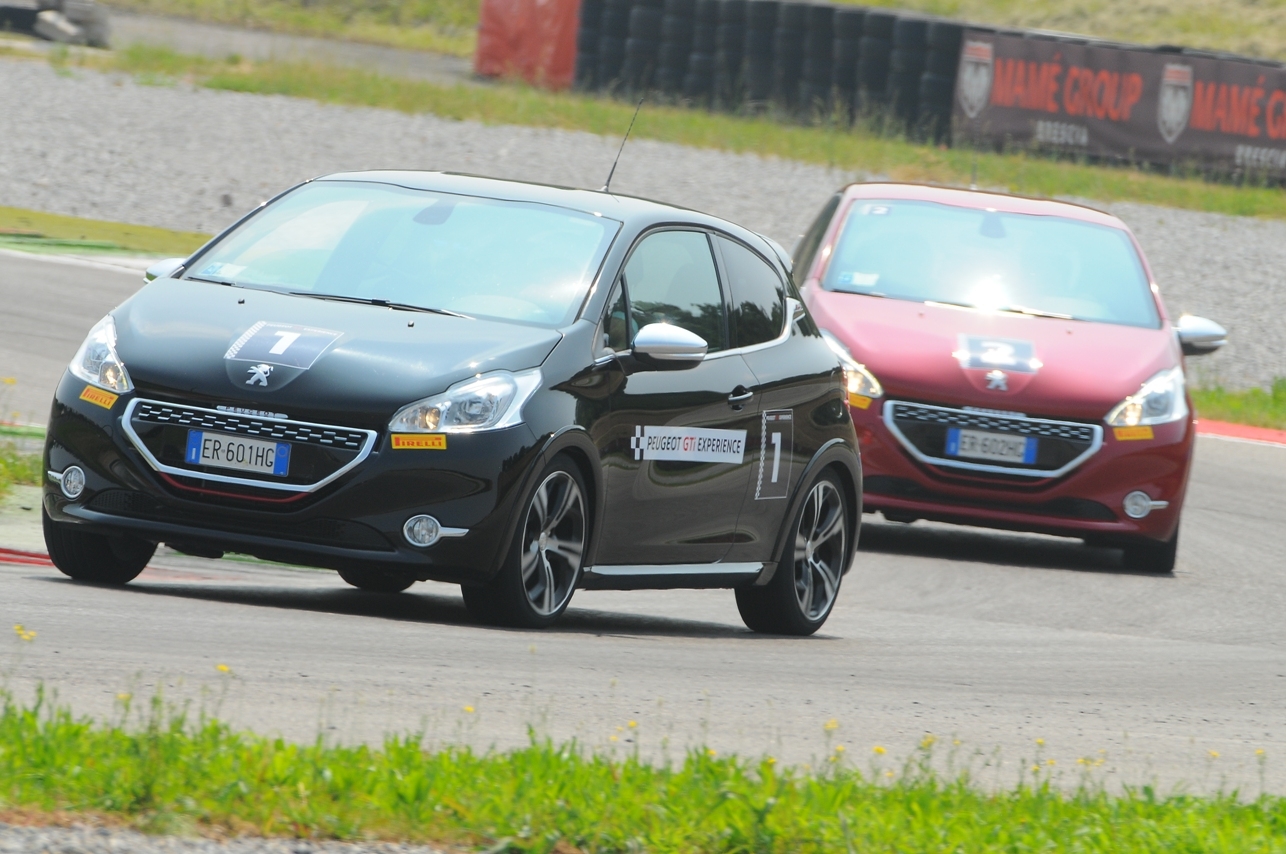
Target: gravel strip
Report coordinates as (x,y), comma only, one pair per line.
(104,146)
(102,840)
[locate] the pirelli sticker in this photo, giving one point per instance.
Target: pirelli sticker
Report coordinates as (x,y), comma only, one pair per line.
(419,441)
(99,397)
(1127,434)
(689,444)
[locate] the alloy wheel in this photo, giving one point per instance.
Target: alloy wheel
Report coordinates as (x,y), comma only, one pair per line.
(820,550)
(553,543)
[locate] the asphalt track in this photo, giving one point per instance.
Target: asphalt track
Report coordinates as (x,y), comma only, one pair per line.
(995,640)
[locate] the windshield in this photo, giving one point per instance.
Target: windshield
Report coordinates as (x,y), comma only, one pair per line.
(435,251)
(1042,265)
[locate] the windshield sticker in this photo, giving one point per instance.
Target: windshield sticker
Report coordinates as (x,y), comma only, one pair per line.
(227,271)
(775,452)
(991,354)
(874,210)
(689,444)
(281,344)
(859,280)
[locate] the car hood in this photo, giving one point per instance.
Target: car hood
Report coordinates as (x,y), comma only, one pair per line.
(942,354)
(208,342)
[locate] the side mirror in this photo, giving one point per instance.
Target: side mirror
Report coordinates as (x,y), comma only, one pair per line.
(164,269)
(1199,336)
(669,346)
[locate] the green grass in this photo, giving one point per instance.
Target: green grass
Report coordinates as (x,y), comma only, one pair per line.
(443,26)
(1252,27)
(1256,407)
(17,467)
(161,773)
(24,229)
(864,151)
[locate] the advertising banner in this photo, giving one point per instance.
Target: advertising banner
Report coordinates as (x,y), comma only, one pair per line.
(1117,101)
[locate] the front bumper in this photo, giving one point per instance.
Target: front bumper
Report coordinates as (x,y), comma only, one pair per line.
(354,520)
(1084,501)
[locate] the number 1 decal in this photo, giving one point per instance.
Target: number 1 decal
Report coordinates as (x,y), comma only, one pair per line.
(777,444)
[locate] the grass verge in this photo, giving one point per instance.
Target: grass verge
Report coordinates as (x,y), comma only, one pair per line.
(17,467)
(161,773)
(442,26)
(24,229)
(862,151)
(1256,407)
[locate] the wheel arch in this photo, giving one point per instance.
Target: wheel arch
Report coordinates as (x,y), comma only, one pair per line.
(838,456)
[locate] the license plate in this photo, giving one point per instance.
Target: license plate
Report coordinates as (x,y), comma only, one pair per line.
(229,451)
(997,447)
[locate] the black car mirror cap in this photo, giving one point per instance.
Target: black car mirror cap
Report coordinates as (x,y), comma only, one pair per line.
(667,346)
(1199,335)
(164,269)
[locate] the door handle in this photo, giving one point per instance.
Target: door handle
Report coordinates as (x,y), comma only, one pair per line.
(740,395)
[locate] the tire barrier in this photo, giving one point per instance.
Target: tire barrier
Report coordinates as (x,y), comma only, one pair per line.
(698,83)
(613,30)
(642,46)
(844,52)
(676,45)
(587,35)
(757,70)
(788,53)
(817,75)
(729,53)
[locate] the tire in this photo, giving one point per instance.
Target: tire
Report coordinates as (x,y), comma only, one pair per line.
(542,568)
(848,23)
(944,35)
(95,558)
(910,33)
(878,25)
(1152,556)
(645,23)
(942,62)
(788,604)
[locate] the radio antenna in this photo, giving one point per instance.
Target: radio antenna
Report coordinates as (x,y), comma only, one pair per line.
(622,148)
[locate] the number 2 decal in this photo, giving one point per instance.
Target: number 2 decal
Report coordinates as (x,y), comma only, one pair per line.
(777,443)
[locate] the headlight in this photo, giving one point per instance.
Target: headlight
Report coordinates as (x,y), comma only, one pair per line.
(857,379)
(1160,401)
(487,402)
(96,361)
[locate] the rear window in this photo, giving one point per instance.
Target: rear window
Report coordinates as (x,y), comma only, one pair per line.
(1043,265)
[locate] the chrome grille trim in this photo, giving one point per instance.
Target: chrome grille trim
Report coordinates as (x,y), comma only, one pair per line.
(196,417)
(1071,431)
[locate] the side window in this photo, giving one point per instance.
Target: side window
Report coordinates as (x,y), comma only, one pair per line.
(758,295)
(806,249)
(615,329)
(671,278)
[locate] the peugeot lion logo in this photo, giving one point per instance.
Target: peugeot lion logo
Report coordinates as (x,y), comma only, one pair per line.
(997,381)
(260,375)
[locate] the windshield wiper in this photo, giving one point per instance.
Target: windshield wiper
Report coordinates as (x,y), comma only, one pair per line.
(1035,312)
(225,282)
(382,303)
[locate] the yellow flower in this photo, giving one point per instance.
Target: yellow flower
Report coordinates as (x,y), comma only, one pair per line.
(9,380)
(18,630)
(1080,760)
(611,738)
(711,752)
(1035,768)
(223,668)
(1098,762)
(831,725)
(1040,742)
(632,724)
(620,729)
(956,742)
(1050,762)
(1259,752)
(1214,754)
(771,760)
(468,710)
(888,773)
(928,740)
(123,697)
(878,750)
(839,748)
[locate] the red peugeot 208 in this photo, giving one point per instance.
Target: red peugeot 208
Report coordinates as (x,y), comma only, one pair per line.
(1010,364)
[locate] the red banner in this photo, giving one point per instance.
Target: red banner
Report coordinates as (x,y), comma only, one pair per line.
(531,39)
(1131,103)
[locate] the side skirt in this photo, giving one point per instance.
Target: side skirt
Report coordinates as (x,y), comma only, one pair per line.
(670,576)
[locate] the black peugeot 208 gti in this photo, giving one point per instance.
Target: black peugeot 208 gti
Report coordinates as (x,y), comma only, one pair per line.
(516,388)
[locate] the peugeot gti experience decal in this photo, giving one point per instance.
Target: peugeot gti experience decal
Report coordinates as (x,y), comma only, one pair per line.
(689,444)
(282,344)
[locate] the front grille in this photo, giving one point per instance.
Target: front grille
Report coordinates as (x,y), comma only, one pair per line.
(330,532)
(923,430)
(285,431)
(319,454)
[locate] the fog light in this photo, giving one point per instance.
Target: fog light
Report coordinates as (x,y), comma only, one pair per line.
(422,531)
(73,482)
(1138,504)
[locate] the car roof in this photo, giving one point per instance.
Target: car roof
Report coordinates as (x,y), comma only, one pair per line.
(982,200)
